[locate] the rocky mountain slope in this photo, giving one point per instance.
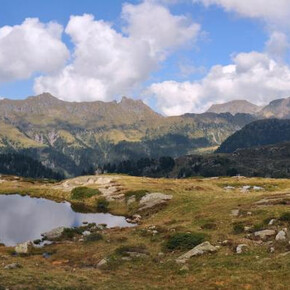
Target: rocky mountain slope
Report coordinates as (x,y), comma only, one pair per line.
(235,107)
(258,133)
(277,109)
(70,137)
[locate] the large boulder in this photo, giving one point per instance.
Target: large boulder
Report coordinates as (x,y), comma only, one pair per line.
(53,234)
(24,248)
(281,236)
(265,234)
(151,200)
(200,249)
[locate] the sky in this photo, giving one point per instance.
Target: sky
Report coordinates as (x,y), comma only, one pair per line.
(178,56)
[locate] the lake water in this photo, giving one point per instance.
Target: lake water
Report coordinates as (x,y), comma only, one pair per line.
(23,218)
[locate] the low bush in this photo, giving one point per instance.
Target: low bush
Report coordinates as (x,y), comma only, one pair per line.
(285,217)
(102,205)
(184,241)
(94,237)
(84,192)
(238,228)
(137,193)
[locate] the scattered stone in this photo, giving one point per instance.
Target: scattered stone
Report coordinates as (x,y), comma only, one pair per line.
(131,199)
(281,236)
(201,249)
(53,234)
(151,200)
(229,187)
(241,248)
(160,254)
(12,266)
(249,213)
(271,222)
(245,188)
(184,268)
(246,229)
(102,263)
(272,250)
(24,248)
(235,212)
(258,188)
(86,233)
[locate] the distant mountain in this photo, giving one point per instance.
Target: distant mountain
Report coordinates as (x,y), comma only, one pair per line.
(258,133)
(71,137)
(235,107)
(277,109)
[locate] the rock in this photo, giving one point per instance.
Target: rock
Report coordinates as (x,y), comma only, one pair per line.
(24,248)
(281,236)
(258,188)
(151,200)
(265,234)
(102,263)
(201,249)
(272,250)
(241,248)
(229,187)
(247,228)
(12,266)
(184,268)
(245,188)
(131,199)
(86,233)
(271,222)
(235,212)
(53,234)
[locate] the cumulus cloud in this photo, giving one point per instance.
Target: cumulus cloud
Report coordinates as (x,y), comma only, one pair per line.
(253,76)
(107,64)
(273,11)
(30,48)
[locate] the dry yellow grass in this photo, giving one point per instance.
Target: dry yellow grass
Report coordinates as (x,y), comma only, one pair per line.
(195,202)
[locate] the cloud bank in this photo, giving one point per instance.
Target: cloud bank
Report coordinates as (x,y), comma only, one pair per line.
(106,63)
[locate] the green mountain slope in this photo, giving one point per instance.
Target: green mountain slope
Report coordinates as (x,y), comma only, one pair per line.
(258,133)
(71,137)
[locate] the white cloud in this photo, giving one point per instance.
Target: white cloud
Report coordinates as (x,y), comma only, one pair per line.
(253,76)
(106,63)
(29,48)
(273,11)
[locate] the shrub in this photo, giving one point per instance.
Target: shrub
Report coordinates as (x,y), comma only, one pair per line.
(102,204)
(184,241)
(84,192)
(238,228)
(137,193)
(285,217)
(125,250)
(69,233)
(94,237)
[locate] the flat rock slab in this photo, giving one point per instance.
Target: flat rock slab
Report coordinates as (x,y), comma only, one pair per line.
(201,249)
(265,234)
(151,200)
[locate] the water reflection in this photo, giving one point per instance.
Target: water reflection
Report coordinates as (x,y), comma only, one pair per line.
(23,218)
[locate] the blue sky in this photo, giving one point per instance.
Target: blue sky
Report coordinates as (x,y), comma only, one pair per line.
(186,76)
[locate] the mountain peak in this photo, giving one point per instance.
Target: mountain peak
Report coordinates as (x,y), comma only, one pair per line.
(234,107)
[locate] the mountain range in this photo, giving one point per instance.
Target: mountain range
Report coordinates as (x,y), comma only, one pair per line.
(279,108)
(71,137)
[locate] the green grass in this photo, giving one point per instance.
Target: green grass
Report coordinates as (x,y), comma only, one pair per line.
(84,192)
